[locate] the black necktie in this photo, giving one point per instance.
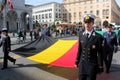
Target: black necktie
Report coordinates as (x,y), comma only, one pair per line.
(87,35)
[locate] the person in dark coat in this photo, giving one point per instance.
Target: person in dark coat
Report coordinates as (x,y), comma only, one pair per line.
(110,46)
(6,43)
(89,59)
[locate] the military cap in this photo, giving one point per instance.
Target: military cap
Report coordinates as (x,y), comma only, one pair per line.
(110,25)
(4,30)
(89,17)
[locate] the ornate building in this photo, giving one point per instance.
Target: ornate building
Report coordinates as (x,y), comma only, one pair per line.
(103,9)
(19,18)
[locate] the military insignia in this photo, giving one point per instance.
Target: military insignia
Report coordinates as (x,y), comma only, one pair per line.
(103,43)
(93,34)
(87,17)
(93,46)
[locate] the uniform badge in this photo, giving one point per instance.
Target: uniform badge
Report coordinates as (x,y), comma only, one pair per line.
(103,43)
(93,34)
(93,46)
(87,17)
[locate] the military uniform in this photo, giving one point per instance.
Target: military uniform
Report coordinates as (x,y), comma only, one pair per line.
(90,55)
(111,42)
(6,43)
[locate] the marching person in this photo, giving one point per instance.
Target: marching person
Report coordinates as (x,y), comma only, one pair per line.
(110,46)
(6,43)
(89,59)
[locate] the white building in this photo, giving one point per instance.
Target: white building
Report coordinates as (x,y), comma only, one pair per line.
(19,18)
(47,13)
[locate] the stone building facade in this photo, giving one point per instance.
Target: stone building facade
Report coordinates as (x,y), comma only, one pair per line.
(103,9)
(19,18)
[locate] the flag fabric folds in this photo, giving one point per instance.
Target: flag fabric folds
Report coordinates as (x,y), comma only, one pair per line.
(68,59)
(9,2)
(54,52)
(35,47)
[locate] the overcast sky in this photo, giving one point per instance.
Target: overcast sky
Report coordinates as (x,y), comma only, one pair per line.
(37,2)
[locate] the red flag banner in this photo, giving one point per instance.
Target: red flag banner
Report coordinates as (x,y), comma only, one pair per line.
(10,4)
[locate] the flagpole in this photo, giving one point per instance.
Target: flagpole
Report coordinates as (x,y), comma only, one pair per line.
(4,22)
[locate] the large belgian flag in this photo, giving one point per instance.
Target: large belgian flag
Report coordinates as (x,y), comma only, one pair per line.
(49,51)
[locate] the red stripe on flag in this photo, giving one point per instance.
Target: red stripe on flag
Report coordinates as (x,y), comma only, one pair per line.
(67,60)
(10,4)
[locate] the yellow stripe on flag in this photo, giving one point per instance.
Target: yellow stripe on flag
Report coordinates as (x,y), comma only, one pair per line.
(53,52)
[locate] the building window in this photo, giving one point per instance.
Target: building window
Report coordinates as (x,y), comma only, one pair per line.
(97,12)
(104,12)
(59,15)
(46,16)
(79,15)
(74,15)
(50,15)
(107,17)
(36,17)
(42,16)
(39,21)
(69,16)
(85,11)
(91,11)
(107,11)
(39,17)
(56,15)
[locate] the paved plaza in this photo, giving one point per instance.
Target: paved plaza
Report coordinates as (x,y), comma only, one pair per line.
(29,70)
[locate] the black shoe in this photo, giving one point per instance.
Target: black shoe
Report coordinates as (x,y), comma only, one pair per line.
(14,61)
(3,68)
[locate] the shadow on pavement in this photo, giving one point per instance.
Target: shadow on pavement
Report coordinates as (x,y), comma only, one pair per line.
(71,73)
(68,73)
